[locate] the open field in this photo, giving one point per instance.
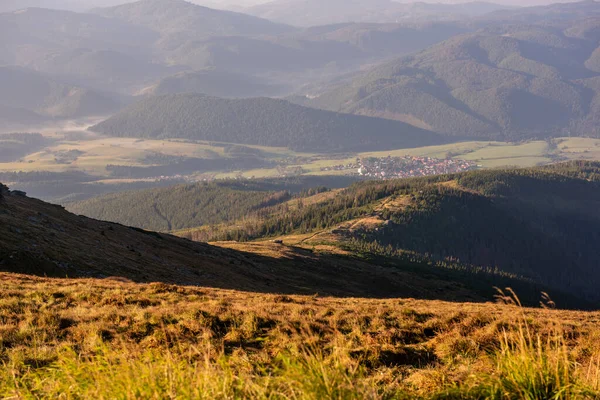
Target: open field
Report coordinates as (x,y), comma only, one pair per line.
(99,152)
(108,339)
(119,163)
(486,154)
(96,152)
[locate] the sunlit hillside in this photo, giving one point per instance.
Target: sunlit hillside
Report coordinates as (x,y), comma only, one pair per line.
(112,339)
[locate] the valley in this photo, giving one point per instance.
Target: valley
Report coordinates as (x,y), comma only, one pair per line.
(107,164)
(299,200)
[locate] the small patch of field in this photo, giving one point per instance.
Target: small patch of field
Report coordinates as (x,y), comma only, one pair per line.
(504,154)
(579,148)
(441,151)
(367,223)
(248,174)
(396,204)
(312,200)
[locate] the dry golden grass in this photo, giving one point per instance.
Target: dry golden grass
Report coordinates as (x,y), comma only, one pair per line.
(113,339)
(315,199)
(395,204)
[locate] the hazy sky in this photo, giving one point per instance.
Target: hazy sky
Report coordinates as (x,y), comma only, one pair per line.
(80,5)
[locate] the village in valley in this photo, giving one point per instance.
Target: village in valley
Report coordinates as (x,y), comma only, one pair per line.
(403,167)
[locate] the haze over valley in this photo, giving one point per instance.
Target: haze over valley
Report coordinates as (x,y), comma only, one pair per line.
(301,98)
(299,199)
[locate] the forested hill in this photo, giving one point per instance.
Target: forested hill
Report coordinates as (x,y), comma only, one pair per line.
(540,223)
(38,238)
(261,121)
(206,203)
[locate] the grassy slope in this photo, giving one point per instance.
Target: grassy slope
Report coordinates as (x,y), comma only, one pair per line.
(42,239)
(108,339)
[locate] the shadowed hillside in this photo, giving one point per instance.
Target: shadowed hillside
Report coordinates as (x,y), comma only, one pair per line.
(42,239)
(540,224)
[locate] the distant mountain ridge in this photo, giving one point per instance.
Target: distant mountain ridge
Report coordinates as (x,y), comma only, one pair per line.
(180,16)
(315,12)
(128,48)
(551,13)
(29,90)
(503,83)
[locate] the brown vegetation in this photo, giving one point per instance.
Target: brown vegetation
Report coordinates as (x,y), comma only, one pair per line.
(109,338)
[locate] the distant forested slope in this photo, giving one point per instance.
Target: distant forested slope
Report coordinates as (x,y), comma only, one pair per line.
(193,205)
(37,93)
(261,121)
(503,82)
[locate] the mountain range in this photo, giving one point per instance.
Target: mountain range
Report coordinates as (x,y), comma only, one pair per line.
(130,47)
(37,94)
(507,83)
(509,74)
